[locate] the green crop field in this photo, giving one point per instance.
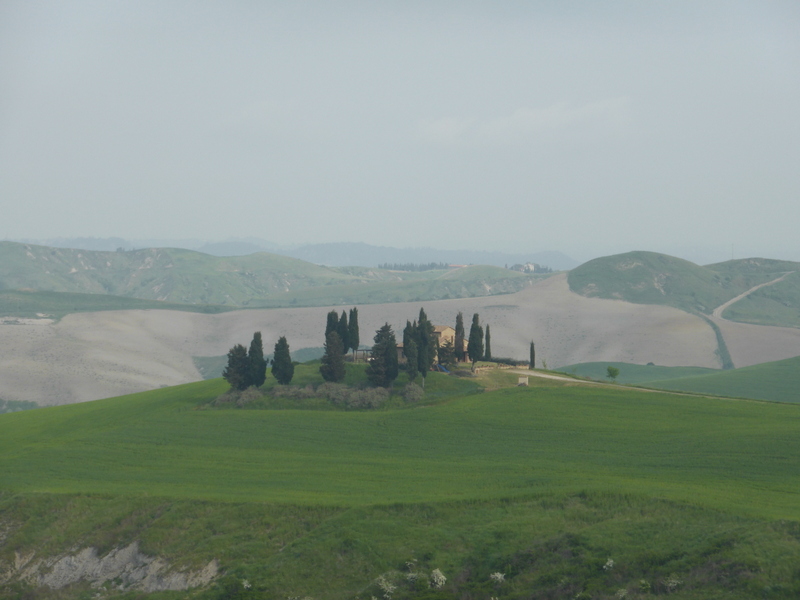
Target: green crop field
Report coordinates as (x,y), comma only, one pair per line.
(691,496)
(630,373)
(777,381)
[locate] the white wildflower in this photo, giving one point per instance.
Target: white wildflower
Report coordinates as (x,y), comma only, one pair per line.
(672,582)
(246,584)
(498,577)
(437,578)
(386,587)
(609,564)
(621,593)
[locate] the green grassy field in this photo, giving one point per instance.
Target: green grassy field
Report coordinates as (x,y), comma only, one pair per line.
(652,278)
(543,484)
(630,373)
(777,381)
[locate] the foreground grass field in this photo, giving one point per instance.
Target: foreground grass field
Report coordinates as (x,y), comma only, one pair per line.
(543,484)
(777,381)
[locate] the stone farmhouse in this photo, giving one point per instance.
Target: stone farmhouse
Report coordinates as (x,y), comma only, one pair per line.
(441,333)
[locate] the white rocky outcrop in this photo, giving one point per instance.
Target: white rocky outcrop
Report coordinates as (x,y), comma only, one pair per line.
(123,568)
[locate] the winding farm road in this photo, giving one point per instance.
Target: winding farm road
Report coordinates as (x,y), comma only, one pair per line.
(722,307)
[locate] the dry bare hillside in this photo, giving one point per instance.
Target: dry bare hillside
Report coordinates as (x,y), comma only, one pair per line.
(96,355)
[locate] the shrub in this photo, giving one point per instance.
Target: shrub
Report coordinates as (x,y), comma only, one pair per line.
(368,398)
(249,395)
(295,392)
(513,362)
(413,393)
(336,393)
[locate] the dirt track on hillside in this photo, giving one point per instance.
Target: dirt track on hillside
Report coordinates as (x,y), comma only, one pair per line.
(97,355)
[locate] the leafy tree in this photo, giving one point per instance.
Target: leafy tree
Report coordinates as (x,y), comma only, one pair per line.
(533,356)
(410,350)
(353,338)
(383,367)
(282,365)
(258,366)
(612,373)
(487,353)
(344,332)
(459,344)
(332,367)
(237,373)
(475,344)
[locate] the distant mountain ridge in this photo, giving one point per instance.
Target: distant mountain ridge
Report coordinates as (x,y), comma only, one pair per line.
(337,254)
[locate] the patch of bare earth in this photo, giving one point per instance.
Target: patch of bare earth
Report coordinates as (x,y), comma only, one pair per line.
(97,355)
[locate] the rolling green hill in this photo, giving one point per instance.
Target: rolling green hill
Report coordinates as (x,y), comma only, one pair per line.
(777,304)
(777,381)
(630,373)
(258,280)
(684,495)
(652,278)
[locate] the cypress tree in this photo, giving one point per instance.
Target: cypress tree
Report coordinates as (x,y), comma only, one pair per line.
(332,324)
(410,350)
(258,366)
(426,348)
(344,332)
(459,343)
(487,353)
(282,365)
(353,326)
(383,368)
(475,344)
(533,356)
(237,373)
(332,368)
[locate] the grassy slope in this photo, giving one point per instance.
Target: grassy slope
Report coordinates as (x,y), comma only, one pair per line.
(264,280)
(651,278)
(542,483)
(777,381)
(466,282)
(777,304)
(630,373)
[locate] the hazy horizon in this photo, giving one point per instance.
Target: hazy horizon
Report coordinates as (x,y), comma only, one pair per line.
(508,127)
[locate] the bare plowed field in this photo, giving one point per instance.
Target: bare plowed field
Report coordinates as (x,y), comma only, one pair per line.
(96,355)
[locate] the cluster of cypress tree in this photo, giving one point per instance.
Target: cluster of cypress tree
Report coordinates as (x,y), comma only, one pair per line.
(420,346)
(383,368)
(475,343)
(341,335)
(246,368)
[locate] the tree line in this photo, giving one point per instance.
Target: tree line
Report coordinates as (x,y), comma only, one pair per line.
(432,266)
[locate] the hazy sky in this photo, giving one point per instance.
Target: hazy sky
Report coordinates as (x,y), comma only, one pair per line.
(585,127)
